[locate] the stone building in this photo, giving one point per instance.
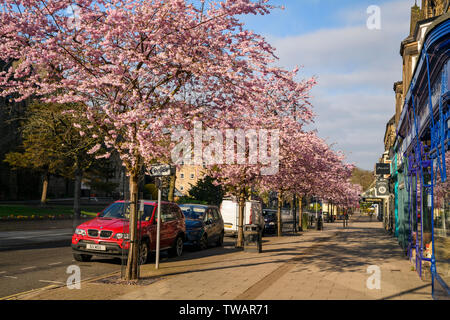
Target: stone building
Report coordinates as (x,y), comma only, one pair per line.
(410,48)
(187,176)
(417,216)
(421,18)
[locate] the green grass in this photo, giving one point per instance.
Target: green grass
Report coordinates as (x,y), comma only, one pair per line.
(23,211)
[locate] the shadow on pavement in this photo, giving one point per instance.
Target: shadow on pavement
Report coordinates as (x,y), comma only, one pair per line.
(407,292)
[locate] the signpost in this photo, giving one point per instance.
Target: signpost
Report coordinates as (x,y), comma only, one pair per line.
(159,171)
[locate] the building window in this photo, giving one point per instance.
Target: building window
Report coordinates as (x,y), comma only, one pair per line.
(181,188)
(181,175)
(192,176)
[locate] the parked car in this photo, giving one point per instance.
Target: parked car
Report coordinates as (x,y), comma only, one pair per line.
(230,213)
(204,225)
(270,221)
(108,234)
(328,217)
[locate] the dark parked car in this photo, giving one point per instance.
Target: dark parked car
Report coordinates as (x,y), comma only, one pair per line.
(270,221)
(108,234)
(204,225)
(327,217)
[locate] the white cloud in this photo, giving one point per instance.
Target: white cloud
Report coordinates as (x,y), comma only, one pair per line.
(356,68)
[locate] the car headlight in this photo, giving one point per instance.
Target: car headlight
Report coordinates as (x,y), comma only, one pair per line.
(125,236)
(271,223)
(80,232)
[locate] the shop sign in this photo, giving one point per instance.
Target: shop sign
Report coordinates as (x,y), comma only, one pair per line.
(382,168)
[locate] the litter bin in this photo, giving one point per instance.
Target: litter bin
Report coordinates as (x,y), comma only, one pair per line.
(319,223)
(252,238)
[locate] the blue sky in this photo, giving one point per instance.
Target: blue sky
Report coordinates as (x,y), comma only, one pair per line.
(355,67)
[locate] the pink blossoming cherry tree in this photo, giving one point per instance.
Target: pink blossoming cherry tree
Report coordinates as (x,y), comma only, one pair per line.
(138,67)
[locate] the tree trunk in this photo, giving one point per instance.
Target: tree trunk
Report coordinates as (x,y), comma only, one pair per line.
(294,213)
(279,222)
(131,272)
(240,236)
(13,187)
(77,198)
(45,189)
(332,210)
(300,214)
(171,195)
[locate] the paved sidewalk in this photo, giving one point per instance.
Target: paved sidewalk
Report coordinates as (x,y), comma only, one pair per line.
(328,264)
(338,270)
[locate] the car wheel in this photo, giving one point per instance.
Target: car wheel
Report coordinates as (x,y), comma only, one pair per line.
(144,252)
(203,243)
(82,257)
(177,248)
(220,240)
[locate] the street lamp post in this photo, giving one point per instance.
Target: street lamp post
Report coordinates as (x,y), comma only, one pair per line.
(159,171)
(158,224)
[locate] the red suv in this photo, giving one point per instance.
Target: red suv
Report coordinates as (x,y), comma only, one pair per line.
(108,234)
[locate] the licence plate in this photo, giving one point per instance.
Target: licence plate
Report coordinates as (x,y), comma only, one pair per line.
(228,226)
(96,247)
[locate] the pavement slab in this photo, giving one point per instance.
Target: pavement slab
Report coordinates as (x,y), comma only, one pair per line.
(314,265)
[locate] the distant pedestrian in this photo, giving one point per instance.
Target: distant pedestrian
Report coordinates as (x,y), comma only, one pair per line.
(345,219)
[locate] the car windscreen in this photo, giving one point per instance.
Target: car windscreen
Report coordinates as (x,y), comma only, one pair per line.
(192,212)
(121,210)
(270,216)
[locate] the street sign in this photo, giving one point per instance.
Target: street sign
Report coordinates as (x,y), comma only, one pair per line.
(162,170)
(382,168)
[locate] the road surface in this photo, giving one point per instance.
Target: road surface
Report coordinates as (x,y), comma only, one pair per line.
(33,259)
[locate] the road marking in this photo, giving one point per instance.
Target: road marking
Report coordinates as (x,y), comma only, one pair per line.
(11,277)
(51,286)
(28,268)
(54,263)
(30,237)
(15,295)
(49,281)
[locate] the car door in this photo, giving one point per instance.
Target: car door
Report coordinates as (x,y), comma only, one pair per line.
(218,224)
(145,223)
(172,224)
(152,229)
(166,220)
(229,213)
(209,225)
(180,222)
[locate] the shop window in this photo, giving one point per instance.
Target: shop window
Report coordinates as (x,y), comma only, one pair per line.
(441,221)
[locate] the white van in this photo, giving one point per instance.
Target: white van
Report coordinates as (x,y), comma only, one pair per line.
(230,214)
